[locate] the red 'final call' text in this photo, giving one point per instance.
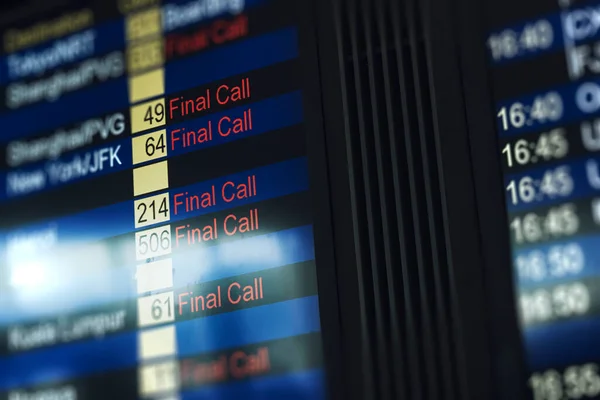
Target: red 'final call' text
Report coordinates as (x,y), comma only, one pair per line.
(224,94)
(234,294)
(240,364)
(240,189)
(230,225)
(219,32)
(226,126)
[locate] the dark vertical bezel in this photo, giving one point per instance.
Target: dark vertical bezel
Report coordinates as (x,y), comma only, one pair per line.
(489,360)
(354,374)
(474,354)
(509,371)
(327,277)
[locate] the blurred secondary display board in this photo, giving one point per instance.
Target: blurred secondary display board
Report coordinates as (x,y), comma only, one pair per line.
(156,233)
(545,65)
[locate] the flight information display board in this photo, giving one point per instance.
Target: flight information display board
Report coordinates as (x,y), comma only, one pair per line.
(545,59)
(156,233)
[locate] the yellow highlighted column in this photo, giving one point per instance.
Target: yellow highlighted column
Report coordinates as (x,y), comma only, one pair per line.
(152,213)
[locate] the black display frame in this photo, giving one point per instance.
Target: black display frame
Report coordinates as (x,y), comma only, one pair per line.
(490,364)
(510,372)
(322,206)
(351,380)
(479,285)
